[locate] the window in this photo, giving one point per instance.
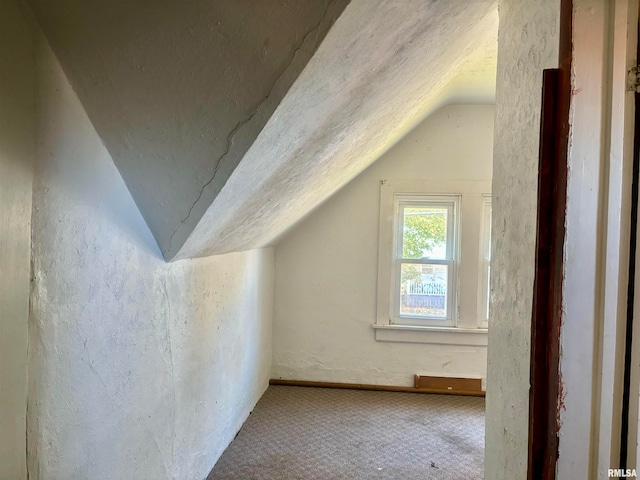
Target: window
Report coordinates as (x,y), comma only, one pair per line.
(434,262)
(425,253)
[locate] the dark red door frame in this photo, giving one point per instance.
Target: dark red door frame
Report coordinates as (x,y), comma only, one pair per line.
(545,389)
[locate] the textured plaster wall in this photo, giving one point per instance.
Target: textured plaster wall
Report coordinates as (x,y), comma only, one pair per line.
(178,91)
(326,267)
(527,43)
(138,369)
(16,157)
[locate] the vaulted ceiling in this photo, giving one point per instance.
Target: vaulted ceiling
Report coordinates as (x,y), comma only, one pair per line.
(231,120)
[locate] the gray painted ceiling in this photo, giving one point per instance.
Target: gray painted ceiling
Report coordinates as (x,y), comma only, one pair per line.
(232,120)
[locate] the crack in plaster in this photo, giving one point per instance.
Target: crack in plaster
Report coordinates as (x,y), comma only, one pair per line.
(167,470)
(243,122)
(98,374)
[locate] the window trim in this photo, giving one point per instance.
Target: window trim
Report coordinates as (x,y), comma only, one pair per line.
(467,327)
(485,263)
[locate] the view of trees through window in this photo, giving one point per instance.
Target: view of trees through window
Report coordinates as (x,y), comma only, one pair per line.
(424,232)
(424,284)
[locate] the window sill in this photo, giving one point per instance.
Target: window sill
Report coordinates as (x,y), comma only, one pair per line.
(438,335)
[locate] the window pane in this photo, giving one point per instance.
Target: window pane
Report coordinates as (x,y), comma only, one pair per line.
(424,232)
(423,290)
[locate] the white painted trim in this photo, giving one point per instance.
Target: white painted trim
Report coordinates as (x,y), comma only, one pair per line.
(435,335)
(625,46)
(483,277)
(596,248)
(624,14)
(469,212)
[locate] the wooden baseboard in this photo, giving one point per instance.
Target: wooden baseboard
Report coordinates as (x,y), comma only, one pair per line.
(382,388)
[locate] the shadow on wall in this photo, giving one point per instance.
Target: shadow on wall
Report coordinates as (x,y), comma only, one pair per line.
(130,356)
(90,182)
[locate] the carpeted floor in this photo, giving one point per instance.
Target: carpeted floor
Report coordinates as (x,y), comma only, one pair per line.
(321,434)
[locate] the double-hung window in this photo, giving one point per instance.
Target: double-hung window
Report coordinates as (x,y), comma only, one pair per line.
(425,258)
(434,262)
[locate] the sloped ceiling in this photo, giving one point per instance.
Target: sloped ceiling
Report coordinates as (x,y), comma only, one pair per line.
(232,120)
(382,68)
(179,90)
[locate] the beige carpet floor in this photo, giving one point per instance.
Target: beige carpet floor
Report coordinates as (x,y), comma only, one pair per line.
(326,434)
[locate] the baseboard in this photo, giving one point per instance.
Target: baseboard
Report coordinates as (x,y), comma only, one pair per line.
(382,388)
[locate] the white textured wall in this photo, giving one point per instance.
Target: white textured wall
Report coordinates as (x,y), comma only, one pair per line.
(138,369)
(16,157)
(326,267)
(527,43)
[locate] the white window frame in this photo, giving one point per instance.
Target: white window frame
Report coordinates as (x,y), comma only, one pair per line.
(467,327)
(452,203)
(485,263)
